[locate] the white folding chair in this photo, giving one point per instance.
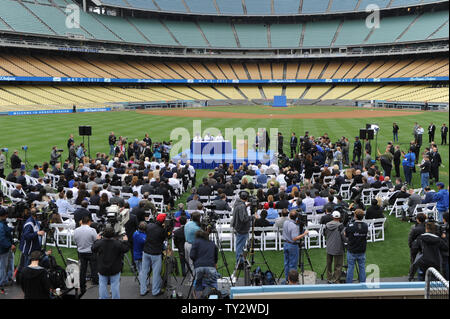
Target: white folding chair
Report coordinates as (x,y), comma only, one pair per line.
(378,229)
(270,238)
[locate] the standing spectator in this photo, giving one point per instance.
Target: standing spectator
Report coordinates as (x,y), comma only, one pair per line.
(31,237)
(356,234)
(109,252)
(436,161)
(408,165)
(84,237)
(397,160)
(291,236)
(431,131)
(152,256)
(112,142)
(280,143)
(54,156)
(420,132)
(6,247)
(425,168)
(415,232)
(293,144)
(386,161)
(416,126)
(441,199)
(241,223)
(357,150)
(395,130)
(204,254)
(16,162)
(444,132)
(428,248)
(189,233)
(335,248)
(70,141)
(139,238)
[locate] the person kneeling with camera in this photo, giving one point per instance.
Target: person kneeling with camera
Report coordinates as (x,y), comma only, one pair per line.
(204,254)
(109,253)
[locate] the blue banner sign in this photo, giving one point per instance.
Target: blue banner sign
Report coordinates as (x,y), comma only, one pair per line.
(41,112)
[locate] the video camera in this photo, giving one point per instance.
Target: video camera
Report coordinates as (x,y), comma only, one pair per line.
(254,204)
(169,224)
(302,219)
(117,219)
(210,218)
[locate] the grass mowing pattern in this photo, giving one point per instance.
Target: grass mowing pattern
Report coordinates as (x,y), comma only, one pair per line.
(41,132)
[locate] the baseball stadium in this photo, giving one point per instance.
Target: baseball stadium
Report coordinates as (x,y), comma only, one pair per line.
(243,149)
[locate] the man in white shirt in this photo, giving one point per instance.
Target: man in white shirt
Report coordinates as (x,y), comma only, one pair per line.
(74,190)
(175,183)
(281,179)
(63,205)
(207,138)
(219,138)
(197,138)
(309,202)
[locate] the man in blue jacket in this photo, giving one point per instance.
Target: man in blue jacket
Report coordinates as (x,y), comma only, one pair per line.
(441,199)
(6,246)
(408,165)
(31,237)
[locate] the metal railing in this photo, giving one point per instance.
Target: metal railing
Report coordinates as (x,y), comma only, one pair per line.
(436,287)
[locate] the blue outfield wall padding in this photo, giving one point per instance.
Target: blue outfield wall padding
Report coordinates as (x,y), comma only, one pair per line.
(108,80)
(279,101)
(315,288)
(41,112)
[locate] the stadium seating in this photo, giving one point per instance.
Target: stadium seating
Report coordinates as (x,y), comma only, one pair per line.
(317,33)
(40,65)
(257,7)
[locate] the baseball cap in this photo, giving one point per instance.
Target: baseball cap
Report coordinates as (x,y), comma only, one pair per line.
(266,205)
(336,214)
(440,184)
(161,218)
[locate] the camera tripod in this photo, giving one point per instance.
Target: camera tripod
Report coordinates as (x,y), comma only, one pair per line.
(302,250)
(224,260)
(344,266)
(249,263)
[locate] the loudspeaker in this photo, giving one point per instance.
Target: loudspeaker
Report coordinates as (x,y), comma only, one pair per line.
(362,134)
(85,130)
(370,134)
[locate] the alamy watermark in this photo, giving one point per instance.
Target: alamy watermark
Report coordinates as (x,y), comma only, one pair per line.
(373,19)
(73,16)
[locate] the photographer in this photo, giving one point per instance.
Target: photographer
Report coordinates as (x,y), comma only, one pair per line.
(54,156)
(291,236)
(6,247)
(84,237)
(204,254)
(415,232)
(190,230)
(429,249)
(356,234)
(442,200)
(34,279)
(152,256)
(109,252)
(31,237)
(335,248)
(241,223)
(409,164)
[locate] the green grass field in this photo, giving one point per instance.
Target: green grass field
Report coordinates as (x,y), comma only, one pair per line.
(42,132)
